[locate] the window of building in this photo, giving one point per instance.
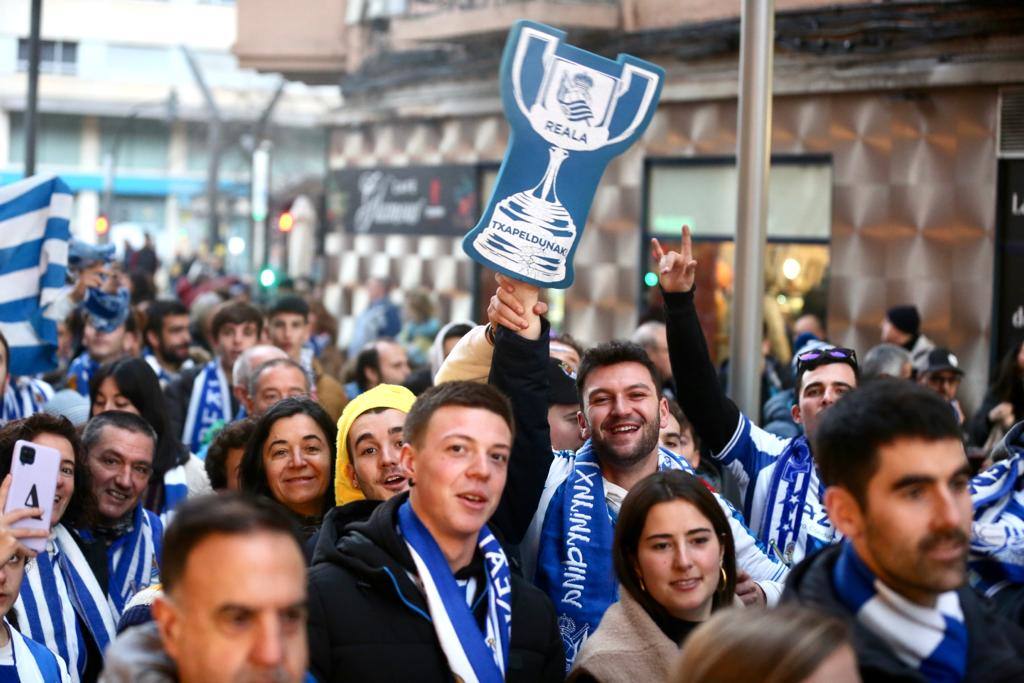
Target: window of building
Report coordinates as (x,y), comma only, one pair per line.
(55,56)
(139,143)
(701,193)
(58,139)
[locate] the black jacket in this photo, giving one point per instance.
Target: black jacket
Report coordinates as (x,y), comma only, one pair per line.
(367,618)
(994,645)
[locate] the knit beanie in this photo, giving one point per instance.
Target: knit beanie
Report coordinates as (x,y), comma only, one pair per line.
(381,396)
(905,319)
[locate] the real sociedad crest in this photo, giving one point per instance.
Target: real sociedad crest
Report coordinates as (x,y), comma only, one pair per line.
(570,111)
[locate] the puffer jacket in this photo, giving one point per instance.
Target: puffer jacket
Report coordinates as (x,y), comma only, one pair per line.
(369,621)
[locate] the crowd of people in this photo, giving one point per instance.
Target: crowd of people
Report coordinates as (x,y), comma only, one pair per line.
(485,502)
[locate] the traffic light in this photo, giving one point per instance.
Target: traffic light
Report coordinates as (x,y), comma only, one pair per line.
(102,224)
(268,278)
(286,221)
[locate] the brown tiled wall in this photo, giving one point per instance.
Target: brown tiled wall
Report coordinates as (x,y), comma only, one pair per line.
(913,211)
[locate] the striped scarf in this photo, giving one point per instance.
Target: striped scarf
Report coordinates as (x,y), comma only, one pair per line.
(34,231)
(58,595)
(574,559)
(210,403)
(997,534)
(794,522)
(133,559)
(80,371)
(33,663)
(24,397)
(931,640)
(175,492)
(472,655)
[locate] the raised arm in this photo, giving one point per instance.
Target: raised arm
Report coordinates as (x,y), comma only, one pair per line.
(519,370)
(714,417)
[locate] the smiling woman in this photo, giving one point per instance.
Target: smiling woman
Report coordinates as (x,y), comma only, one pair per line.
(675,560)
(290,459)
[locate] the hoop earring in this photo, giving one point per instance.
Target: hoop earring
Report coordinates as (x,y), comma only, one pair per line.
(725,579)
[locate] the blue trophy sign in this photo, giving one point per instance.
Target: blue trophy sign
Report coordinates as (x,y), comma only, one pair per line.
(570,111)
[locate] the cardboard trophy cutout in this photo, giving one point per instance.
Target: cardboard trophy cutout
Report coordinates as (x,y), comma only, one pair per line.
(570,111)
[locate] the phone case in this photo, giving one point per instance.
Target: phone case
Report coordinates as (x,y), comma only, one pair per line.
(34,472)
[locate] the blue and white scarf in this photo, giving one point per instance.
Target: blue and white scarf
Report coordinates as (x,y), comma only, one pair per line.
(794,506)
(210,403)
(472,655)
(997,534)
(133,560)
(33,663)
(161,373)
(931,640)
(81,371)
(23,397)
(574,559)
(175,492)
(59,585)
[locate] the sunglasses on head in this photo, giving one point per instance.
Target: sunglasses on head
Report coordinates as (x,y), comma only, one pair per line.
(808,360)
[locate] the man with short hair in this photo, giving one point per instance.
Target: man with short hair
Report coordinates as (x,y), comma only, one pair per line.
(940,371)
(652,338)
(202,397)
(274,380)
(168,339)
(252,358)
(898,490)
(778,477)
(382,362)
(233,600)
(119,450)
(288,324)
(423,588)
(886,360)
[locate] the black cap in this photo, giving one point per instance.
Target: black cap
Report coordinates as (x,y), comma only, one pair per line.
(561,384)
(937,360)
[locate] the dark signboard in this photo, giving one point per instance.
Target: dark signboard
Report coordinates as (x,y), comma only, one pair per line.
(1009,287)
(410,200)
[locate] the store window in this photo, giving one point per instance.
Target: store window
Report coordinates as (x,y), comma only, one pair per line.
(701,193)
(58,139)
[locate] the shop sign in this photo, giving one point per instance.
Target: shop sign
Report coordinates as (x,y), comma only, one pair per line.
(409,200)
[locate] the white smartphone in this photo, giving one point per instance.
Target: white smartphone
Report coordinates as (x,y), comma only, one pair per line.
(34,472)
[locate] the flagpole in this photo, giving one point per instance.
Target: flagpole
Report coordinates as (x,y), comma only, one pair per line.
(31,99)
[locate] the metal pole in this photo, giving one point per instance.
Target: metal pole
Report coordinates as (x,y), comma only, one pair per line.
(215,148)
(32,98)
(757,30)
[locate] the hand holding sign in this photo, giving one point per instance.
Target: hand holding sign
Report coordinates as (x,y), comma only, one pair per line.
(570,112)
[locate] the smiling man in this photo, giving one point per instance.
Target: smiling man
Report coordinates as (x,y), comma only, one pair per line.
(423,588)
(898,490)
(778,478)
(119,450)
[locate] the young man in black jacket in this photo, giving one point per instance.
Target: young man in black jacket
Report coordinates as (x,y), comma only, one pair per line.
(422,589)
(898,490)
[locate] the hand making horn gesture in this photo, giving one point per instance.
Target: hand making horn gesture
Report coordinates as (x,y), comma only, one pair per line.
(676,269)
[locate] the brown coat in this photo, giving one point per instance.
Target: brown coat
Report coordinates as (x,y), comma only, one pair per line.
(330,393)
(627,646)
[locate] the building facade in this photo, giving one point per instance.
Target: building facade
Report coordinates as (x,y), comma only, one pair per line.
(886,133)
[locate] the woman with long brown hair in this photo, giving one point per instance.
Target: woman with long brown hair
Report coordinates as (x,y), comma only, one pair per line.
(676,563)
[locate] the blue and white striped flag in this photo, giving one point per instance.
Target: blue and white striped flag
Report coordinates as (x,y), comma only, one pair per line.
(35,218)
